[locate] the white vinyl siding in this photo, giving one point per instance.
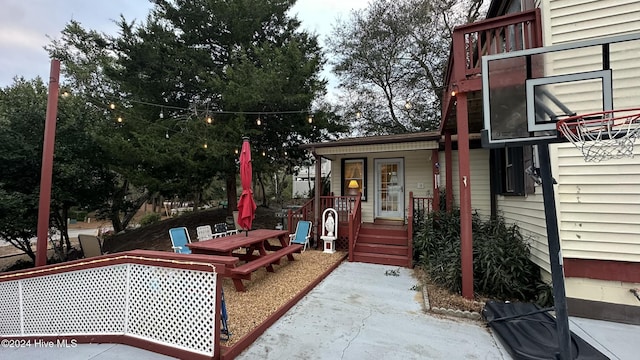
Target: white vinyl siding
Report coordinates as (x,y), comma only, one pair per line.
(575,20)
(417,168)
(528,213)
(599,205)
(480,183)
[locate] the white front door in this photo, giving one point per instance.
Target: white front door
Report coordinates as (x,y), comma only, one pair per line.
(389,188)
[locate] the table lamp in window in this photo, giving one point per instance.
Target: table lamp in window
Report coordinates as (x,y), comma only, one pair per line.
(353,188)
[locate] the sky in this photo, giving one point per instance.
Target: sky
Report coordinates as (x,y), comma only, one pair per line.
(26,26)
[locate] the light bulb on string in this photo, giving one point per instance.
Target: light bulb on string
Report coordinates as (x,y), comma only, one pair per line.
(209,119)
(205,145)
(310,119)
(120,120)
(264,153)
(259,121)
(161,114)
(236,151)
(112,106)
(358,114)
(285,153)
(166,135)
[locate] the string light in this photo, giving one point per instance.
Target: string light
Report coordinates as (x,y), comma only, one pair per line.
(310,119)
(120,119)
(209,119)
(166,135)
(264,153)
(358,114)
(236,151)
(259,121)
(161,114)
(205,145)
(112,106)
(408,105)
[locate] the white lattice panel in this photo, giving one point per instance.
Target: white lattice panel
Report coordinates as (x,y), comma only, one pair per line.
(9,307)
(77,302)
(173,306)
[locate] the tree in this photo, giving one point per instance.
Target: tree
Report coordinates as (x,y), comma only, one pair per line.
(79,178)
(391,60)
(201,72)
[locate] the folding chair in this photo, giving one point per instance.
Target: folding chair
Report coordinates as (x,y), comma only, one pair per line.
(219,230)
(90,245)
(204,232)
(179,240)
(302,234)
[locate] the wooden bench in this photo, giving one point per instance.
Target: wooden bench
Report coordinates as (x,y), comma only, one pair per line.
(226,263)
(243,272)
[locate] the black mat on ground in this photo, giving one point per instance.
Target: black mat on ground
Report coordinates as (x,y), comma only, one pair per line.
(532,336)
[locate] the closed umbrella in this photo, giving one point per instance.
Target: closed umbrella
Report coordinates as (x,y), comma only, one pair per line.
(246,205)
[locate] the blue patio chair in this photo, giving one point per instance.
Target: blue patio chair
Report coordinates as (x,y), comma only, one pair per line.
(179,240)
(302,234)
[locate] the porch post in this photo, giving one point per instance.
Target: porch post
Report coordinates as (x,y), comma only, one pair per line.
(435,166)
(449,171)
(318,193)
(464,169)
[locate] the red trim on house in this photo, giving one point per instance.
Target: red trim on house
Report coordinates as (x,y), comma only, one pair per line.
(610,270)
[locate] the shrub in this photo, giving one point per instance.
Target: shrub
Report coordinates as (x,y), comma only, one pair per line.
(502,267)
(150,218)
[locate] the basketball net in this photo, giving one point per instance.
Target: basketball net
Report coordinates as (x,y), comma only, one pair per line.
(603,135)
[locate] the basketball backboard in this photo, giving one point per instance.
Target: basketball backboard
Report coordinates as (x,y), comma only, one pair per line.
(526,92)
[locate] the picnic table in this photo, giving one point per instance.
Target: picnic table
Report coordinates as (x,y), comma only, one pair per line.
(251,241)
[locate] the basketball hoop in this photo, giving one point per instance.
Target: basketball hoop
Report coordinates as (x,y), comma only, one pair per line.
(603,135)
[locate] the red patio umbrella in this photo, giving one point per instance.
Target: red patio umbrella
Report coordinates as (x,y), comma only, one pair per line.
(246,205)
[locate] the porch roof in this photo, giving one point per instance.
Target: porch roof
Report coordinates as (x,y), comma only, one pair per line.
(380,143)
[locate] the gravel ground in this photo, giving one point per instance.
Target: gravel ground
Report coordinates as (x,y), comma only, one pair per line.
(267,292)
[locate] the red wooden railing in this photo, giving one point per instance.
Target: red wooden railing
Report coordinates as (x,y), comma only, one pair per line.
(501,34)
(303,213)
(355,221)
(419,207)
(348,209)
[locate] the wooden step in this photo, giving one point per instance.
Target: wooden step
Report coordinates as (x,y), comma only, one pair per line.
(383,230)
(383,239)
(400,250)
(381,259)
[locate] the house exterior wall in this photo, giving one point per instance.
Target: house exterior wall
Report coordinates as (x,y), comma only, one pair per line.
(480,180)
(598,204)
(417,176)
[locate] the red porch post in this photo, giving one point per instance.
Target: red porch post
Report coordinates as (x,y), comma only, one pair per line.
(435,166)
(464,168)
(318,193)
(449,171)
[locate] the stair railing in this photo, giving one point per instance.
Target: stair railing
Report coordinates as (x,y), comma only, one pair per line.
(419,208)
(355,221)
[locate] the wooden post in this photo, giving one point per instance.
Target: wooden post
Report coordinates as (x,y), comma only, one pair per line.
(47,164)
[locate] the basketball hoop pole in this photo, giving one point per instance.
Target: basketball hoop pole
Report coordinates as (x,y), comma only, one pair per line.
(555,254)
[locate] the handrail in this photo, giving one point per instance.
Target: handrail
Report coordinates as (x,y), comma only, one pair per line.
(355,221)
(501,34)
(303,213)
(419,208)
(410,229)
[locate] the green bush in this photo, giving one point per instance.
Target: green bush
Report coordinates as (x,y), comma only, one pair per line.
(502,268)
(150,218)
